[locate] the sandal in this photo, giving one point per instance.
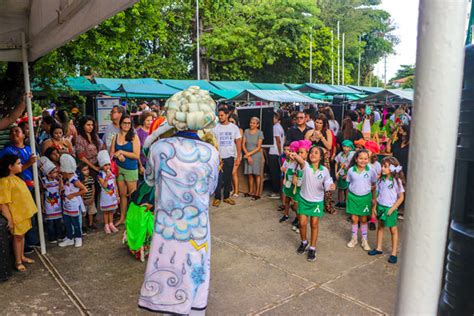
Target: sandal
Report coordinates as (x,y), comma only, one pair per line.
(27,260)
(247,195)
(255,198)
(20,267)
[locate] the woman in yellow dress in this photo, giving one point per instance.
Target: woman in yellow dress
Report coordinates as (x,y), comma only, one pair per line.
(16,205)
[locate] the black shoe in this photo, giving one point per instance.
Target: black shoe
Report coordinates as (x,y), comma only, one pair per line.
(295,222)
(281,208)
(284,218)
(302,248)
(311,255)
(29,250)
(371,226)
(343,204)
(338,204)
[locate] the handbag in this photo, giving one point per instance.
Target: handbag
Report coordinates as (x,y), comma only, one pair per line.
(114,167)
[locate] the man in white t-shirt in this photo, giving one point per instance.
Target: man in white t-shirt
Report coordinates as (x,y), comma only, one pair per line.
(274,156)
(228,139)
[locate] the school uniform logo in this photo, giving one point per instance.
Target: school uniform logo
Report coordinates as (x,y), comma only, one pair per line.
(320,176)
(366,175)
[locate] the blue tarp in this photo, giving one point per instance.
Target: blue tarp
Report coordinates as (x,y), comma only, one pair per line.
(327,88)
(270,86)
(114,83)
(366,90)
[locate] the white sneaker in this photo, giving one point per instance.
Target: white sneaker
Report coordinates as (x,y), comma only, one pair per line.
(352,243)
(78,242)
(66,242)
(365,245)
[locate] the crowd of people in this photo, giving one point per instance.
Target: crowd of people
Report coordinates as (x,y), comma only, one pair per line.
(84,175)
(365,159)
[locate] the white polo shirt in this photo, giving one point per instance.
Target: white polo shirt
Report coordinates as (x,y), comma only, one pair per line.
(360,183)
(388,190)
(315,183)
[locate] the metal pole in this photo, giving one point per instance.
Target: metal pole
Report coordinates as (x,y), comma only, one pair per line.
(441,30)
(311,55)
(332,57)
(358,66)
(26,76)
(198,53)
(338,53)
(342,72)
(385,72)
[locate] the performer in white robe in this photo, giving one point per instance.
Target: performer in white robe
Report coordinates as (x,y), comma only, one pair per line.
(184,171)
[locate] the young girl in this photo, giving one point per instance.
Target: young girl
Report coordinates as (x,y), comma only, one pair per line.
(73,206)
(52,199)
(303,151)
(374,150)
(89,197)
(16,205)
(390,195)
(362,181)
(343,159)
(288,168)
(108,191)
(316,181)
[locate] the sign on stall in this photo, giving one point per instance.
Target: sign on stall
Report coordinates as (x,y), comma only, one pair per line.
(103,107)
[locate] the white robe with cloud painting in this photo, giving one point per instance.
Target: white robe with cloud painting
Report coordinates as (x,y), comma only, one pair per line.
(184,172)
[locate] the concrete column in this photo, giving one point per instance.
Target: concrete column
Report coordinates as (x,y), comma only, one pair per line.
(439,72)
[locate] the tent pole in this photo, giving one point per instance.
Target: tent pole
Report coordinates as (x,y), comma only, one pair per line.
(26,76)
(441,30)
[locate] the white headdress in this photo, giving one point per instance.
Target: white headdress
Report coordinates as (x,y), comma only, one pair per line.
(103,158)
(46,165)
(68,163)
(191,109)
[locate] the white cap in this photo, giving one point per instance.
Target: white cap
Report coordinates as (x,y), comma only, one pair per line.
(103,158)
(68,163)
(46,165)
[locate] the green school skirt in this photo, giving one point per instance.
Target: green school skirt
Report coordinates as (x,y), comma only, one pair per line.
(388,221)
(359,205)
(310,208)
(342,184)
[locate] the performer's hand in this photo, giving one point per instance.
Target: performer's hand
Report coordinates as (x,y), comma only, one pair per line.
(250,160)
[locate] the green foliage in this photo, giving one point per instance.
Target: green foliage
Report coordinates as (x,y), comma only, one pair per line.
(404,71)
(265,41)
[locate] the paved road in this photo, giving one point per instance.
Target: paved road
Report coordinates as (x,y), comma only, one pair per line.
(255,270)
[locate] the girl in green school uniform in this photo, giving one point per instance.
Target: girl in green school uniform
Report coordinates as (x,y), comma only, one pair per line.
(390,195)
(315,182)
(361,195)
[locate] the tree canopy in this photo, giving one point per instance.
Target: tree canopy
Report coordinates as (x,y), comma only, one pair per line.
(265,41)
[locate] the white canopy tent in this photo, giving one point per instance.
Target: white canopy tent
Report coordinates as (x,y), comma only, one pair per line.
(30,29)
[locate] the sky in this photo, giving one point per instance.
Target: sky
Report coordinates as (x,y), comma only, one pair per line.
(405,16)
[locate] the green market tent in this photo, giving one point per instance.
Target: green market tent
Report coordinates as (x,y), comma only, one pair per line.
(270,86)
(136,88)
(184,84)
(225,94)
(285,96)
(78,84)
(294,86)
(366,90)
(327,89)
(234,85)
(390,96)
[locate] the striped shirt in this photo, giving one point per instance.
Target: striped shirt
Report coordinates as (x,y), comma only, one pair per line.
(89,184)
